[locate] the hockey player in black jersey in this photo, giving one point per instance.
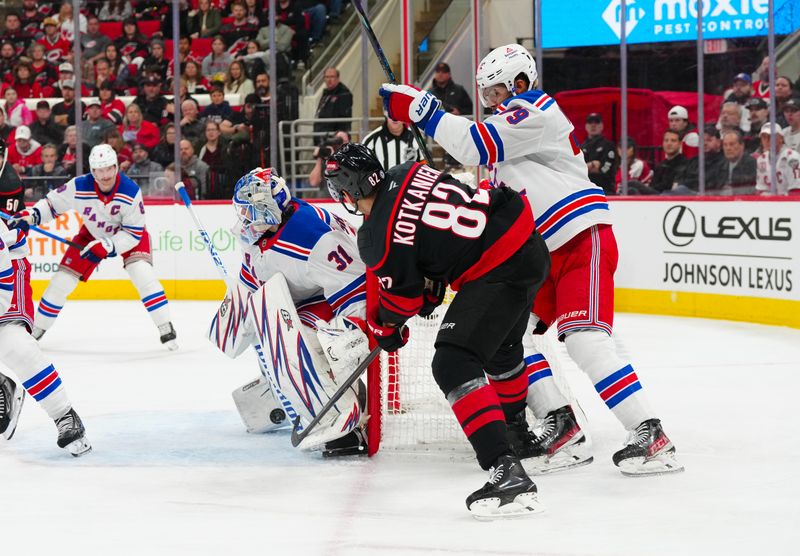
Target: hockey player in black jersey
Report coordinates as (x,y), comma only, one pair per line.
(425,230)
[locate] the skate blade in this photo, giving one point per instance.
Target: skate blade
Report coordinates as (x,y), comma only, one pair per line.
(568,457)
(523,505)
(19,399)
(171,345)
(662,464)
(78,447)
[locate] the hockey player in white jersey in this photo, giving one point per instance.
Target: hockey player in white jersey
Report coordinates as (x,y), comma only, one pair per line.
(787,170)
(529,145)
(19,352)
(317,254)
(111,207)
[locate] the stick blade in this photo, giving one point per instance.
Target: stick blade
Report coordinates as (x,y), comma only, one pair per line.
(296,436)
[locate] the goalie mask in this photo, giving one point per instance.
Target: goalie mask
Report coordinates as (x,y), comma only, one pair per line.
(259,199)
(500,68)
(353,173)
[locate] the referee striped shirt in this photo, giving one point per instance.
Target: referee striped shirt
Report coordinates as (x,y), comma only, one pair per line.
(392,150)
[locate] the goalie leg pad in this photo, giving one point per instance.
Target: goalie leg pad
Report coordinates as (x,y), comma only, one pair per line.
(259,409)
(230,330)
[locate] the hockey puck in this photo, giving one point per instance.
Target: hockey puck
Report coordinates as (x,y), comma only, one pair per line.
(277,416)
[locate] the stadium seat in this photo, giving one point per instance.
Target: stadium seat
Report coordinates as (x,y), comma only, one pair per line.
(168,49)
(111,29)
(226,20)
(201,47)
(149,28)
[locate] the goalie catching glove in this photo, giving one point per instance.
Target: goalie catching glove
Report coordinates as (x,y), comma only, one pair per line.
(408,104)
(344,343)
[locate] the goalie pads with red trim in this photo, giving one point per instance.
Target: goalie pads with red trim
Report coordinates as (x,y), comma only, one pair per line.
(230,330)
(296,368)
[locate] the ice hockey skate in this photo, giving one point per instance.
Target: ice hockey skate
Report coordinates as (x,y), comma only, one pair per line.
(11,400)
(509,493)
(72,434)
(352,444)
(648,452)
(558,444)
(168,336)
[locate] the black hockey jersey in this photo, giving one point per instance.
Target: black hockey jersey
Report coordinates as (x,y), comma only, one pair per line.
(426,224)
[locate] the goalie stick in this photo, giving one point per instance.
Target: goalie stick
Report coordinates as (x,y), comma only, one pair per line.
(298,437)
(387,69)
(45,233)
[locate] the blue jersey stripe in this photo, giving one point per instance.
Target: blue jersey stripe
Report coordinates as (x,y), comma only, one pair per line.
(571,216)
(566,200)
(476,138)
(355,299)
(433,123)
(289,253)
(499,142)
(547,104)
(347,289)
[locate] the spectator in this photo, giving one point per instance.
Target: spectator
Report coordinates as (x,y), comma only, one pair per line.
(44,72)
(8,59)
(67,152)
(15,34)
(783,92)
(5,129)
(761,86)
(787,170)
(142,167)
(236,81)
(184,55)
(115,10)
(124,153)
(64,111)
(31,18)
(758,110)
(44,129)
(135,129)
(18,113)
(205,21)
(26,152)
(24,81)
(193,170)
(290,14)
(151,10)
(219,109)
(670,172)
(393,143)
(131,44)
(216,63)
(56,48)
(254,60)
(262,87)
(598,153)
(112,108)
(116,67)
(715,164)
(730,118)
(678,120)
(51,173)
(191,126)
(639,171)
(283,37)
(193,78)
(240,27)
(95,127)
(336,102)
(93,41)
(454,97)
(741,91)
(256,13)
(66,21)
(88,83)
(325,150)
(164,152)
(102,73)
(156,62)
(152,103)
(740,170)
(791,113)
(316,13)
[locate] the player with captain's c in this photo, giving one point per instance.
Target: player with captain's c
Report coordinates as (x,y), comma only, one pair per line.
(529,145)
(111,207)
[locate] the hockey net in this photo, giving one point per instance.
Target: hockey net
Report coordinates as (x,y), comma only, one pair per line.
(408,412)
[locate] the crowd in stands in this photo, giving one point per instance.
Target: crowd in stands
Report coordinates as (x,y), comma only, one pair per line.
(127,70)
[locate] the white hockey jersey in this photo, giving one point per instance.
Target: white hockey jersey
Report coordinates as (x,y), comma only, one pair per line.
(787,171)
(317,253)
(7,277)
(118,215)
(529,145)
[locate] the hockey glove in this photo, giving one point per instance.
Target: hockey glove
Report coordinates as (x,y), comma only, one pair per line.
(432,296)
(98,250)
(390,338)
(24,219)
(408,104)
(344,343)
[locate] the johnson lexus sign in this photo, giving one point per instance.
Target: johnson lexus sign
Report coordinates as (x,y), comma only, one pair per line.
(647,21)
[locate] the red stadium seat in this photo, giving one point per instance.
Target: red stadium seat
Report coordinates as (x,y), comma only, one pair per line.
(149,28)
(168,49)
(226,20)
(201,47)
(111,29)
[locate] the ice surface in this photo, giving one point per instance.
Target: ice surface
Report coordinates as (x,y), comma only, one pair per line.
(173,472)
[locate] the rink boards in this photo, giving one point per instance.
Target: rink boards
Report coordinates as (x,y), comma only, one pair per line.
(722,258)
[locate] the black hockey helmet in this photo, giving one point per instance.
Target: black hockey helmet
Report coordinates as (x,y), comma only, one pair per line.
(352,173)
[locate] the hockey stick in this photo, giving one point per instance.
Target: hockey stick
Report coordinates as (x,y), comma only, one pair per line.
(298,437)
(51,235)
(387,69)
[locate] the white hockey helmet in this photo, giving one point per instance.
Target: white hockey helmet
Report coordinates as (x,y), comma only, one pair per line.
(260,198)
(501,67)
(102,156)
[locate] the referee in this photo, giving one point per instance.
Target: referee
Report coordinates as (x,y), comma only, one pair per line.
(393,143)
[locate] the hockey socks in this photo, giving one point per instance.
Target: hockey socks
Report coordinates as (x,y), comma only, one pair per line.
(511,388)
(478,410)
(544,395)
(152,293)
(55,296)
(21,353)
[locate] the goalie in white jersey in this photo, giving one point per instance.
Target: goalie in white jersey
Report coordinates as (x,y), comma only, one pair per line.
(787,170)
(111,207)
(528,144)
(315,251)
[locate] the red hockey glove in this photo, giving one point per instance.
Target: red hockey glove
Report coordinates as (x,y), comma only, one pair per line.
(408,104)
(390,338)
(98,250)
(432,297)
